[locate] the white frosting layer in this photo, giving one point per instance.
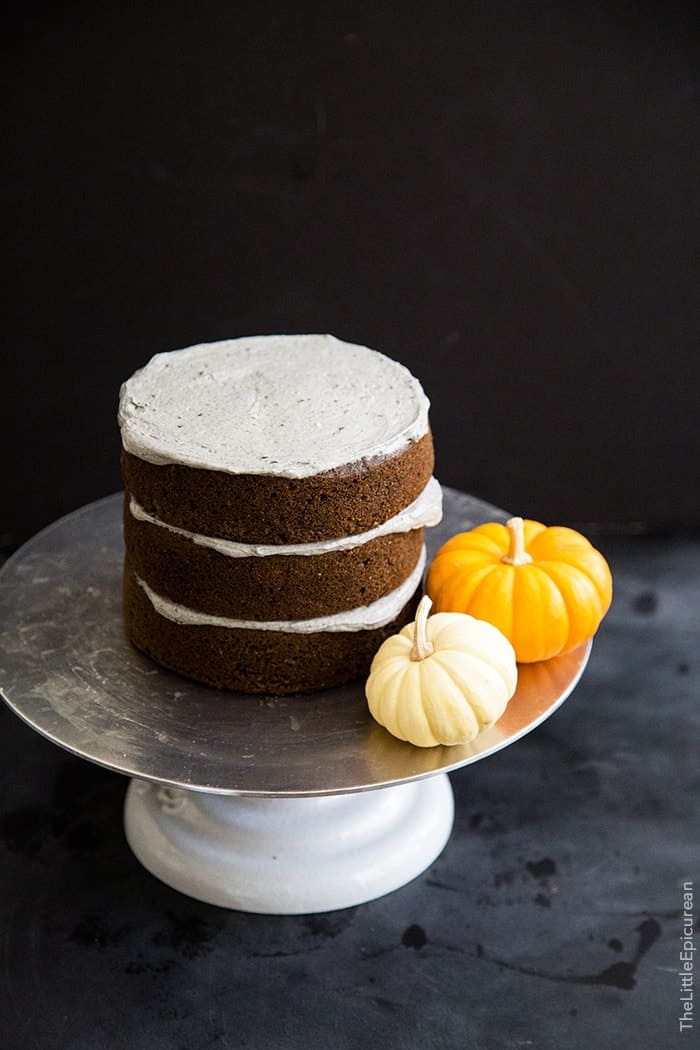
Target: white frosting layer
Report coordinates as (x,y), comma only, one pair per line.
(426,510)
(364,618)
(286,405)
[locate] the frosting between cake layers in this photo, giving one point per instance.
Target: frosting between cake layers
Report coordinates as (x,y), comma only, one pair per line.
(363,618)
(425,510)
(288,405)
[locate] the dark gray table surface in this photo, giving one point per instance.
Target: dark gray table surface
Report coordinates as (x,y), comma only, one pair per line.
(552,919)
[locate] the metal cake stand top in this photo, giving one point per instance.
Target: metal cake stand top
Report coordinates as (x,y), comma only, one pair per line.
(67,670)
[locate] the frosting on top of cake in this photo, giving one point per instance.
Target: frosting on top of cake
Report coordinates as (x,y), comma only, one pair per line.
(286,405)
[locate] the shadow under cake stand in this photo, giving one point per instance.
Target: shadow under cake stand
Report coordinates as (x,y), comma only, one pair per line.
(282,805)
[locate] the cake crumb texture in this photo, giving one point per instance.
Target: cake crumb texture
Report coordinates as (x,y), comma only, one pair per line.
(268,509)
(253,661)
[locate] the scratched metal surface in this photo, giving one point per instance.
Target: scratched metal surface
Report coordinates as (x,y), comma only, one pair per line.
(68,671)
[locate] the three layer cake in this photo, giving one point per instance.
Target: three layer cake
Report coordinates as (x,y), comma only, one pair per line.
(276,493)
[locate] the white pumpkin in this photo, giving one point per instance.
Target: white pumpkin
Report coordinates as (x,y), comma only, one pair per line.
(441,679)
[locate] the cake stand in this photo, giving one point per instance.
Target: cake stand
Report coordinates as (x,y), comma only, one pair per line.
(282,805)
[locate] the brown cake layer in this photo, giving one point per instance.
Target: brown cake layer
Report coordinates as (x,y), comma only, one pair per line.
(254,508)
(253,661)
(276,587)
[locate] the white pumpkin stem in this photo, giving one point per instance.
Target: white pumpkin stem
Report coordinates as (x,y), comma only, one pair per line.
(422,647)
(517,555)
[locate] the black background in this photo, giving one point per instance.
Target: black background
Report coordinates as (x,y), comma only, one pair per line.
(503,196)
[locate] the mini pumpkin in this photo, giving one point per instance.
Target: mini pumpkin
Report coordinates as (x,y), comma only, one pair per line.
(441,679)
(546,588)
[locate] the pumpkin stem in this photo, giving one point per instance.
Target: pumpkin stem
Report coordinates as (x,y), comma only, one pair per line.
(421,646)
(517,555)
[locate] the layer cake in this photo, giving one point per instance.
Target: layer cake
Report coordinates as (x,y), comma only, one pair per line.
(276,493)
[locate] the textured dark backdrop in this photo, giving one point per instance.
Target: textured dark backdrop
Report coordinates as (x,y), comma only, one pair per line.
(503,196)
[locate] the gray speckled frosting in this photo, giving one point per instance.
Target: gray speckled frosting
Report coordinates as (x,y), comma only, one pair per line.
(286,405)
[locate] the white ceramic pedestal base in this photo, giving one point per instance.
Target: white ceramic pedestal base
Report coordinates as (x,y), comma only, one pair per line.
(289,856)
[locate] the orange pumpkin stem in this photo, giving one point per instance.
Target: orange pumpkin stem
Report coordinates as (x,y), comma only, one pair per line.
(421,646)
(517,555)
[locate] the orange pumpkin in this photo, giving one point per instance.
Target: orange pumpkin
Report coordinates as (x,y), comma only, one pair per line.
(546,589)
